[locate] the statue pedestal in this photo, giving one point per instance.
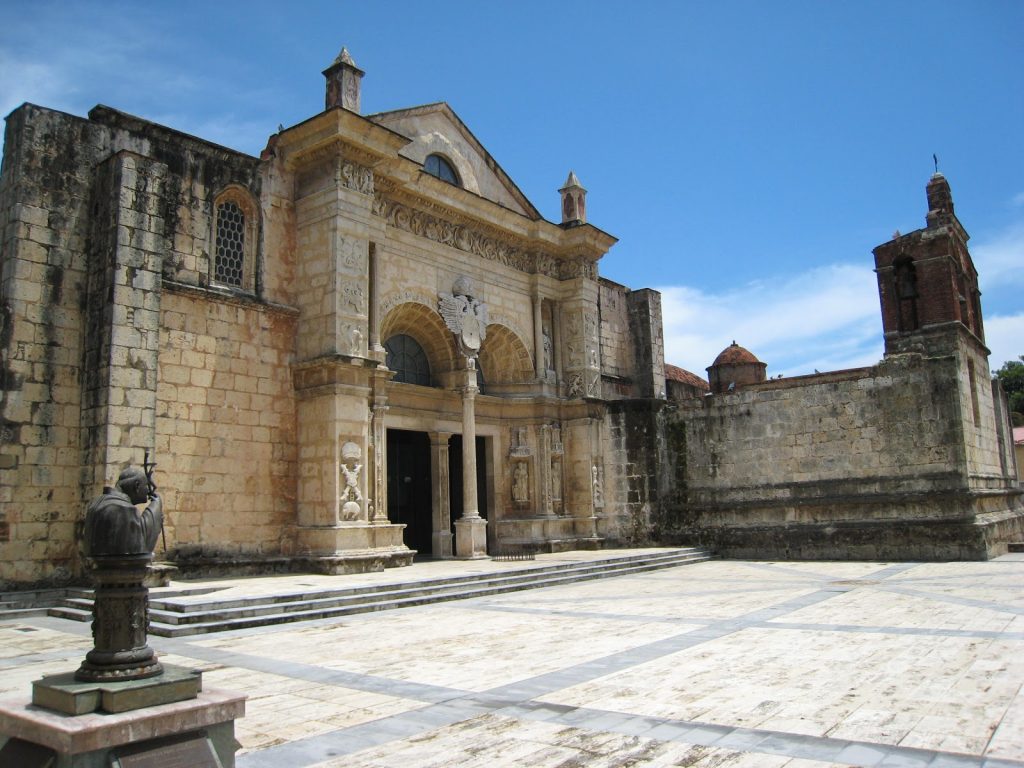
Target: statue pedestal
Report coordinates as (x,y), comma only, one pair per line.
(471,538)
(198,732)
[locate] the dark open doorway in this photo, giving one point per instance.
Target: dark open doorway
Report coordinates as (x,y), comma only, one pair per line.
(409,490)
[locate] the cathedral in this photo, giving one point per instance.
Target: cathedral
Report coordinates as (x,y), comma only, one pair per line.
(367,345)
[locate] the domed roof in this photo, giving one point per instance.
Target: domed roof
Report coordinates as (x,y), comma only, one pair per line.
(734,354)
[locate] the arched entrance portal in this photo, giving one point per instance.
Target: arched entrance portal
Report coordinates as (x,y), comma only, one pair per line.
(409,487)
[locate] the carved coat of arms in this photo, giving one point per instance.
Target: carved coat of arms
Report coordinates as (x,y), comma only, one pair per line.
(465,316)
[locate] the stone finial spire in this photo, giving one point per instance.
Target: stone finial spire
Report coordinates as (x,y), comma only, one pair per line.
(574,202)
(343,83)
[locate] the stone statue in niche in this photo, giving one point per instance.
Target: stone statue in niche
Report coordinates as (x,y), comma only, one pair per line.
(556,438)
(598,480)
(556,480)
(119,539)
(355,337)
(521,483)
(549,358)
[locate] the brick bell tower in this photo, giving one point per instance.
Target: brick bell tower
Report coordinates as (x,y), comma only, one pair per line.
(926,279)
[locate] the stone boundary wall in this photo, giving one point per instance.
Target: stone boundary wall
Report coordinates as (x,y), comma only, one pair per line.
(852,464)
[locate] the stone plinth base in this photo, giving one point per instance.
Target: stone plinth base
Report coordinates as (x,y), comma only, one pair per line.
(91,740)
(979,536)
(357,548)
(64,693)
(545,534)
(471,538)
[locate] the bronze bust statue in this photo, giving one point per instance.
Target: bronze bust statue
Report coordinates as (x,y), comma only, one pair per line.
(113,524)
(119,539)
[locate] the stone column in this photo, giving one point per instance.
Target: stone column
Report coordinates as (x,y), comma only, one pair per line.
(379,469)
(441,538)
(544,473)
(374,321)
(556,340)
(538,337)
(470,529)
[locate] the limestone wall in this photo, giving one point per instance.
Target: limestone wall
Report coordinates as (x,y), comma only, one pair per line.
(99,218)
(868,431)
(879,462)
(44,223)
(225,425)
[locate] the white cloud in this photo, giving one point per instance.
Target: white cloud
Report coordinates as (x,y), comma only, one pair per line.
(1004,335)
(825,319)
(1000,258)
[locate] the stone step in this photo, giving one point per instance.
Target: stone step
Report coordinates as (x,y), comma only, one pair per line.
(311,601)
(159,603)
(31,602)
(170,618)
(370,605)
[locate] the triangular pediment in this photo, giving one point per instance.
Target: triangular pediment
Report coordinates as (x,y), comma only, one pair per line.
(436,129)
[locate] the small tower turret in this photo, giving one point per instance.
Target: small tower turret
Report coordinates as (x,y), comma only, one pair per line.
(926,278)
(574,202)
(343,83)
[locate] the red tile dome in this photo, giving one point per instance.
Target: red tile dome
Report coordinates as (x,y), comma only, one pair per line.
(734,354)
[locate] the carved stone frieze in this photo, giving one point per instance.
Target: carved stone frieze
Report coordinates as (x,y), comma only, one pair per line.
(475,239)
(407,296)
(356,177)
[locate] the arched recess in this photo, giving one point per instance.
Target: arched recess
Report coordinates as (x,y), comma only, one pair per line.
(425,326)
(504,359)
(235,226)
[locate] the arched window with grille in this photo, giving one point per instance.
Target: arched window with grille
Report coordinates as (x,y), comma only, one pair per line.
(407,359)
(235,231)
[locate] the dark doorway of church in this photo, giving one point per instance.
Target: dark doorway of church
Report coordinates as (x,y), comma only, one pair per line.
(409,491)
(455,478)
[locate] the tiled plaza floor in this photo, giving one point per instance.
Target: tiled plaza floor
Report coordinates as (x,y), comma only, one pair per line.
(723,663)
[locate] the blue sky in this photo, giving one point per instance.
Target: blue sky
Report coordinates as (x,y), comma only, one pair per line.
(748,155)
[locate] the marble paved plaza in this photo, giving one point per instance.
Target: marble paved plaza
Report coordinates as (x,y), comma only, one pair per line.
(723,663)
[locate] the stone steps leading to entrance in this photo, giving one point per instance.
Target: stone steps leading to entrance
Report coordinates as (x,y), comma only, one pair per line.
(181,614)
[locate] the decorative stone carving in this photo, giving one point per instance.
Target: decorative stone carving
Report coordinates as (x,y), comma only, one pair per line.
(352,255)
(556,480)
(521,482)
(350,469)
(518,443)
(556,438)
(598,484)
(465,316)
(408,296)
(594,384)
(352,297)
(473,240)
(356,177)
(549,359)
(575,388)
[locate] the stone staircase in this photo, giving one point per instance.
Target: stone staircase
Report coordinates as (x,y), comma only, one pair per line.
(181,612)
(30,602)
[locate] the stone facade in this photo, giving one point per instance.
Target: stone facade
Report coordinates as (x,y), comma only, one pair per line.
(240,318)
(367,343)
